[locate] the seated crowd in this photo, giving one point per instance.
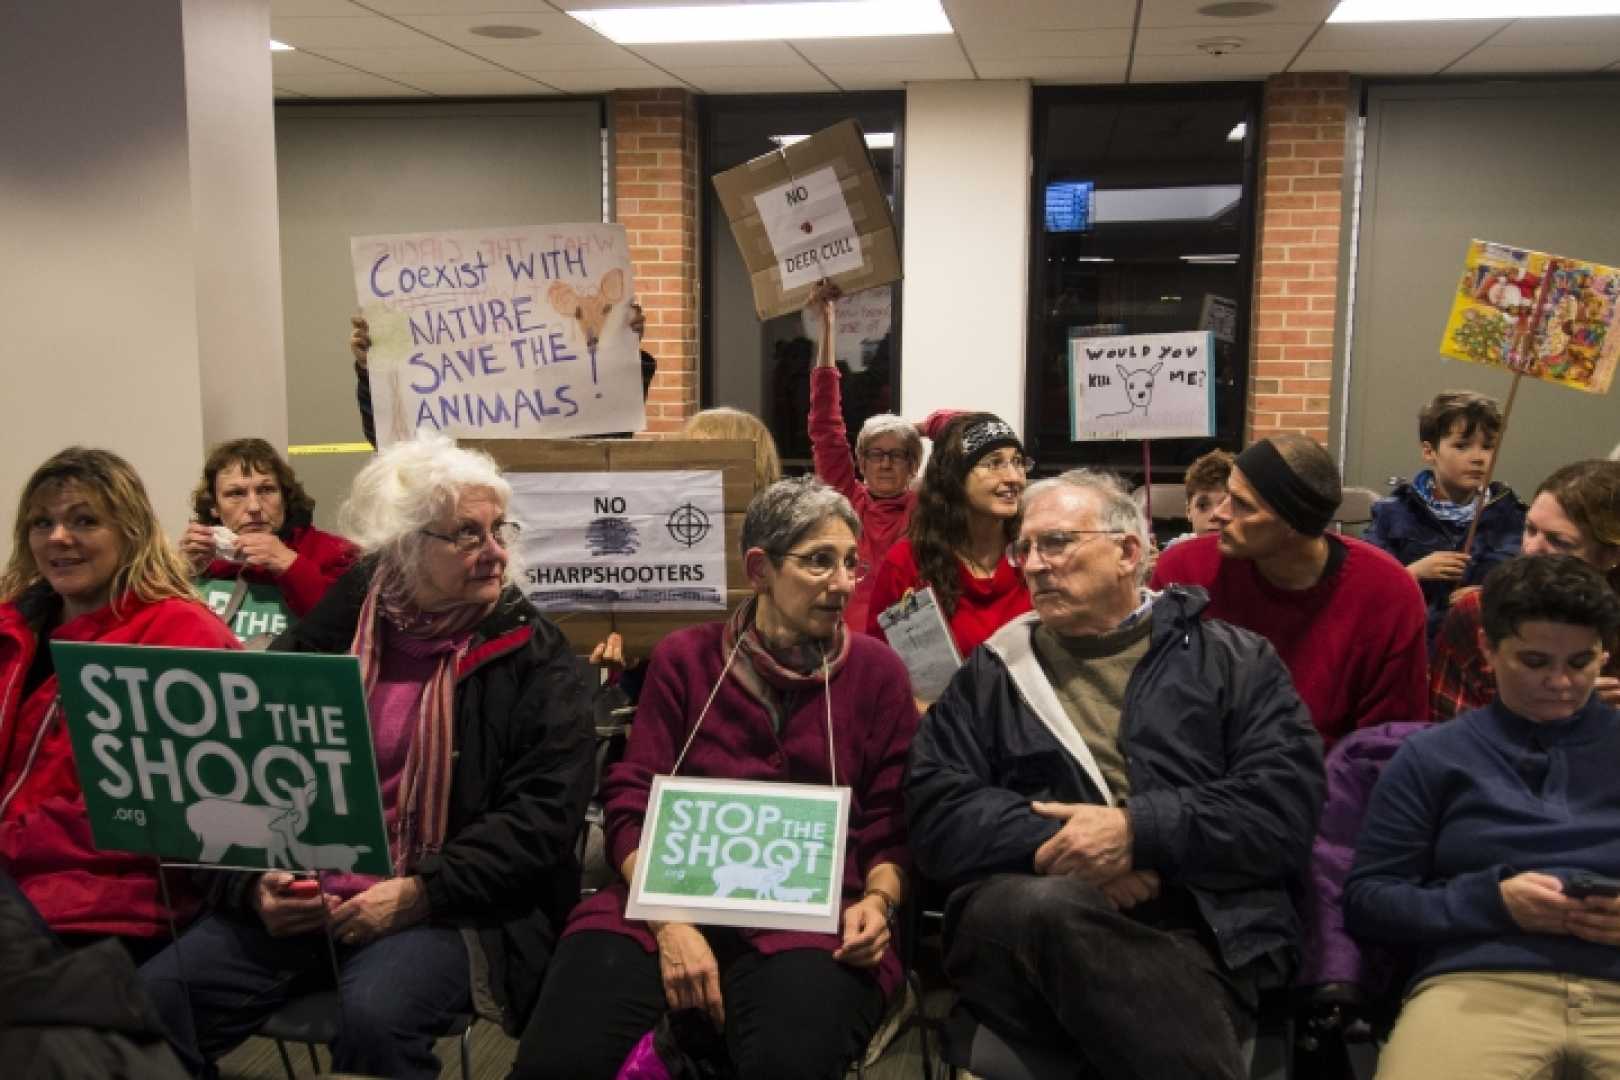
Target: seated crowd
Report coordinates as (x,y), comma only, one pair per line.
(1116,795)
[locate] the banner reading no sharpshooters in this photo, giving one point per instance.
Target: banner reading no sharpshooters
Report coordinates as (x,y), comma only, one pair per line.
(742,853)
(622,541)
(242,759)
(506,333)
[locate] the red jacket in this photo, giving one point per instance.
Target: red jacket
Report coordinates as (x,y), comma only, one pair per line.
(322,559)
(45,839)
(883,521)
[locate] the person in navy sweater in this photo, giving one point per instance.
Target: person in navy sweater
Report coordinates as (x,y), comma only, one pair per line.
(1476,839)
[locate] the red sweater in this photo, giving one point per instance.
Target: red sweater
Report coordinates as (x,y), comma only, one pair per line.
(883,521)
(1354,641)
(984,606)
(322,558)
(45,839)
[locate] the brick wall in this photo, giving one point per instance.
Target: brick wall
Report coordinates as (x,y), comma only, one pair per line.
(655,181)
(1296,290)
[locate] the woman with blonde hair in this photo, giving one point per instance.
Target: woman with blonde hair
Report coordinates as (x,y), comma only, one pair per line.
(89,563)
(724,422)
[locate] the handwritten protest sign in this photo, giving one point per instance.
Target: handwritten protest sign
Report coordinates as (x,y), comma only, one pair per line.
(1536,314)
(741,853)
(1141,386)
(622,541)
(500,333)
(257,760)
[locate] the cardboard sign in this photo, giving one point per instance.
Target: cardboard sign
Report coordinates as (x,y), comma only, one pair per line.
(810,211)
(1141,386)
(742,853)
(604,541)
(242,759)
(262,611)
(508,333)
(1540,315)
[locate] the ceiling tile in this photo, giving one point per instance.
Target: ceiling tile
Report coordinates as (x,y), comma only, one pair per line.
(1085,69)
(487,10)
(280,9)
(741,80)
(555,28)
(1183,40)
(1199,67)
(480,82)
(719,54)
(925,48)
(300,62)
(347,84)
(1041,14)
(604,79)
(429,57)
(1185,13)
(884,76)
(371,32)
(1376,61)
(283,94)
(1369,37)
(1004,44)
(557,57)
(1560,32)
(1553,59)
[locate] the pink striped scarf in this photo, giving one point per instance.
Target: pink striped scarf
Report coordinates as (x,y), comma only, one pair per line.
(422,806)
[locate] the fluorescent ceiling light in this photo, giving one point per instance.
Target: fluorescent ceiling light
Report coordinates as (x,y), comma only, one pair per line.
(1237,133)
(1210,259)
(1093,258)
(1198,203)
(875,140)
(1359,11)
(767,22)
(280,46)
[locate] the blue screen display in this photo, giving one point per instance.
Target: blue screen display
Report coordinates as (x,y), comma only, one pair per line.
(1068,205)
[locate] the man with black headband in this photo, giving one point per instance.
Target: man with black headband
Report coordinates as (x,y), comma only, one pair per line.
(1345,617)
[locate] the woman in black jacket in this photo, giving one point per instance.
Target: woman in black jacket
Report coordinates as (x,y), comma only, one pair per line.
(481,727)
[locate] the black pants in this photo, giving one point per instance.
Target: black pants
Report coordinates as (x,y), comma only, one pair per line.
(795,1014)
(1047,960)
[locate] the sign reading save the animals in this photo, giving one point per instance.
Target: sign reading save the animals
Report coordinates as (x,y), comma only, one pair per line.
(507,333)
(741,853)
(258,760)
(1141,386)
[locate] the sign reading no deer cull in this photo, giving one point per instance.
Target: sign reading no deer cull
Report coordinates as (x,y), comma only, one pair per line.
(622,541)
(257,760)
(511,333)
(1141,386)
(741,853)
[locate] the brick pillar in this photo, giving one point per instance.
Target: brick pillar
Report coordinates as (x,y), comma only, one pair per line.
(655,189)
(1296,295)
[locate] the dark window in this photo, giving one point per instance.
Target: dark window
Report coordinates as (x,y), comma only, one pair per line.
(1143,223)
(764,367)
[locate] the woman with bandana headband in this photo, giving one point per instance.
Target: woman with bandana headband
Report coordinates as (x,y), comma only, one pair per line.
(967,514)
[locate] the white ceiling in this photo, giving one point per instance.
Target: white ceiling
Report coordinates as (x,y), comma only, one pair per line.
(424,48)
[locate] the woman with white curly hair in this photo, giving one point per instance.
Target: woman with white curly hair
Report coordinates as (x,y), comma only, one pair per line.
(480,719)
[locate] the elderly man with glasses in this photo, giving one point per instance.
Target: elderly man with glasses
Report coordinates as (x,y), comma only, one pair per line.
(1119,793)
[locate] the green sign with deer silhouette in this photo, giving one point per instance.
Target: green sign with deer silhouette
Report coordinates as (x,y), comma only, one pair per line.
(211,756)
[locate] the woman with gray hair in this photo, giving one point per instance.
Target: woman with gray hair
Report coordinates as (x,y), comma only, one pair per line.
(480,723)
(782,691)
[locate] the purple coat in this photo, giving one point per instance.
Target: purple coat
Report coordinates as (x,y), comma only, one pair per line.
(873,721)
(1330,954)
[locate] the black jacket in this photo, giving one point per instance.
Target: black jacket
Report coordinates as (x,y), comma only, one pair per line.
(524,769)
(1225,771)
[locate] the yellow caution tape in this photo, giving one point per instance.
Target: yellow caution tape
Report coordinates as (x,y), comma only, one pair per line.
(331,448)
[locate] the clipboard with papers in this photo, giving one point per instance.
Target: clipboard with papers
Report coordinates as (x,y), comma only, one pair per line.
(917,630)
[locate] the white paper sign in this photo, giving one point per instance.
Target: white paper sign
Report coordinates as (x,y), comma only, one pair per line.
(500,333)
(622,541)
(1141,386)
(917,630)
(809,227)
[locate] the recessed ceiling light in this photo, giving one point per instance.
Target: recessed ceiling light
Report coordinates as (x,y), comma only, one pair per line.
(875,140)
(1237,9)
(1238,132)
(1354,11)
(767,22)
(280,46)
(1219,46)
(504,32)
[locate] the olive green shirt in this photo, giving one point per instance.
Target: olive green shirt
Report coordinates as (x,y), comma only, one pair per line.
(1089,675)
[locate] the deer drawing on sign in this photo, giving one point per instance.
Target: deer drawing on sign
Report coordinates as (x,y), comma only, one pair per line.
(1138,391)
(341,857)
(588,309)
(222,824)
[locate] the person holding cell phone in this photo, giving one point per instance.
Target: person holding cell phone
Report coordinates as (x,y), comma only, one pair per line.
(1490,848)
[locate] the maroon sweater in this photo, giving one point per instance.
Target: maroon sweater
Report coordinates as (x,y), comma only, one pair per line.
(1354,641)
(873,722)
(322,558)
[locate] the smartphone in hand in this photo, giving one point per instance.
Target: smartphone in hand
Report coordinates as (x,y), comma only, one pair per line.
(1582,884)
(302,888)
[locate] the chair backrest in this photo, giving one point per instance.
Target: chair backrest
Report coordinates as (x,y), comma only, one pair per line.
(1355,506)
(1169,501)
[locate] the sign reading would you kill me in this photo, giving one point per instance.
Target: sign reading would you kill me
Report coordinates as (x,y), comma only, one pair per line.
(243,759)
(1141,386)
(741,853)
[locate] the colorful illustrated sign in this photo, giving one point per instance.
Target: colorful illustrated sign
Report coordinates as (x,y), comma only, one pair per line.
(1141,386)
(1540,315)
(241,759)
(262,610)
(622,541)
(505,333)
(741,853)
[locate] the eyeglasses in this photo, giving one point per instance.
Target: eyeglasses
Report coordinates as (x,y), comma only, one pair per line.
(1052,546)
(821,564)
(880,457)
(470,538)
(1017,462)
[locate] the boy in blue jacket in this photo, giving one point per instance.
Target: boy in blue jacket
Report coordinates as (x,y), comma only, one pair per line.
(1424,522)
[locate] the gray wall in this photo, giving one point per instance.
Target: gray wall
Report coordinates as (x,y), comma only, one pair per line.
(1530,164)
(371,169)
